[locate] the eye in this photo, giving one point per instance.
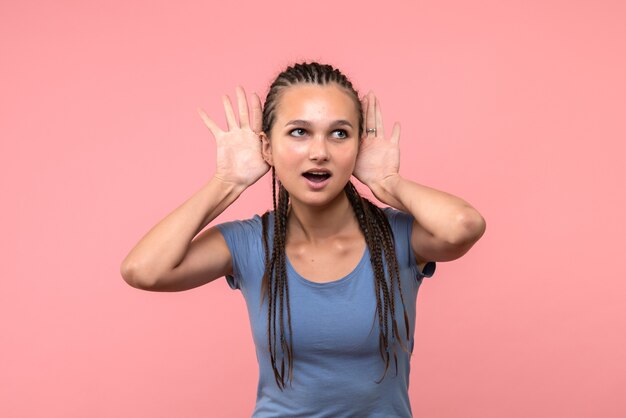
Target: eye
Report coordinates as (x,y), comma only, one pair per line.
(340,133)
(297,132)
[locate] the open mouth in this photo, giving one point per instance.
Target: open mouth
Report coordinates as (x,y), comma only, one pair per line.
(316,177)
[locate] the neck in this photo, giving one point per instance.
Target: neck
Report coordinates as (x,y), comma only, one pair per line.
(317,223)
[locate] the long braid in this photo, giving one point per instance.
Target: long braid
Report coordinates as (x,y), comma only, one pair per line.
(283,283)
(372,222)
(374,225)
(379,277)
(276,287)
(392,265)
(394,275)
(364,219)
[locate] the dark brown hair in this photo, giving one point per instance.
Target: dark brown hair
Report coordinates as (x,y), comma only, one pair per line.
(372,222)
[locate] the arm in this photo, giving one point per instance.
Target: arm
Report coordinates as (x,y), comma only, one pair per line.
(168,257)
(445,226)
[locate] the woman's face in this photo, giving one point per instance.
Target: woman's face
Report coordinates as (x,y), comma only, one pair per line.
(314,142)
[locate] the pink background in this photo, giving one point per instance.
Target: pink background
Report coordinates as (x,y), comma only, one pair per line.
(517,106)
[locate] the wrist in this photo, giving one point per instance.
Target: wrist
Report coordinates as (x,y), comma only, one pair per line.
(385,189)
(230,187)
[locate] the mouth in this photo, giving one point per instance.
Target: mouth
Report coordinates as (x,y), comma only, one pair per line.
(317,176)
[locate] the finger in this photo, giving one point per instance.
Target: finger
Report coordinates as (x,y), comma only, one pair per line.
(370,121)
(380,129)
(364,103)
(242,102)
(395,133)
(257,113)
(209,123)
(364,113)
(230,115)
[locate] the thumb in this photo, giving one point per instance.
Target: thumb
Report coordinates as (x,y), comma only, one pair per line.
(209,122)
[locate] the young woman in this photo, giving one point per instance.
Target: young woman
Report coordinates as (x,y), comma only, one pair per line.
(330,280)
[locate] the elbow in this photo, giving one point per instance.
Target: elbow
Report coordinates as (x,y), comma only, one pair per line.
(469,228)
(131,276)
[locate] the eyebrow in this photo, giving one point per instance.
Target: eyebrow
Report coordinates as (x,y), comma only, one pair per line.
(340,122)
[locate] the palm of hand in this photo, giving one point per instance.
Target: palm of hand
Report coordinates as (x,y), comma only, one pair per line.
(378,157)
(239,157)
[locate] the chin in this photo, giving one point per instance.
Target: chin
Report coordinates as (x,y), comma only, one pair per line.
(317,199)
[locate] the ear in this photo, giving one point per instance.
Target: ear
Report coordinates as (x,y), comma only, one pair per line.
(266,149)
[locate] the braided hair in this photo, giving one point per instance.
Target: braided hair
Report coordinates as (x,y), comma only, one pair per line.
(372,222)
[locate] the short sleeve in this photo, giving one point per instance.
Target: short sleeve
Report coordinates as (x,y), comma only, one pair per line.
(402,226)
(244,240)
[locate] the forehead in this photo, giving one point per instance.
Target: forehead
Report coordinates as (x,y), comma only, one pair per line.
(315,102)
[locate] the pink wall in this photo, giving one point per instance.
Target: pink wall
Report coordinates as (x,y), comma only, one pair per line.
(517,106)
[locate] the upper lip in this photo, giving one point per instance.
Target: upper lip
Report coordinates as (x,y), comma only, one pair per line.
(318,170)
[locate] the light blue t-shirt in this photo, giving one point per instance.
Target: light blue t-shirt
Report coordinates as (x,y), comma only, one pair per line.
(335,331)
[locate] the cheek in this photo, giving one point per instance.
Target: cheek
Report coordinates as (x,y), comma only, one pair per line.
(351,154)
(289,153)
(346,163)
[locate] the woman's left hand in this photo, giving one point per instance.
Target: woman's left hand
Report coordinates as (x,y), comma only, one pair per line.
(379,157)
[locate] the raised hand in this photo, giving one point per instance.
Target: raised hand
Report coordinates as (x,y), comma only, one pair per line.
(239,158)
(379,157)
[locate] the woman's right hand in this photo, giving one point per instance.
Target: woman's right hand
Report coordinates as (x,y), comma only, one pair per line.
(239,158)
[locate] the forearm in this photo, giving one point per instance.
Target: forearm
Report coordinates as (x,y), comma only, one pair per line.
(165,245)
(446,217)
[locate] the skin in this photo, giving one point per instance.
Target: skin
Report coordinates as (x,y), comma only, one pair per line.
(324,242)
(317,128)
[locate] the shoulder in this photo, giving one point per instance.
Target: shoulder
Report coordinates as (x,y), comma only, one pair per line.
(402,227)
(400,222)
(244,238)
(243,228)
(247,233)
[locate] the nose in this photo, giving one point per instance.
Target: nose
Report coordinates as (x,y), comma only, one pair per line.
(318,151)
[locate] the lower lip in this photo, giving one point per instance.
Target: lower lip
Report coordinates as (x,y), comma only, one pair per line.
(317,185)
